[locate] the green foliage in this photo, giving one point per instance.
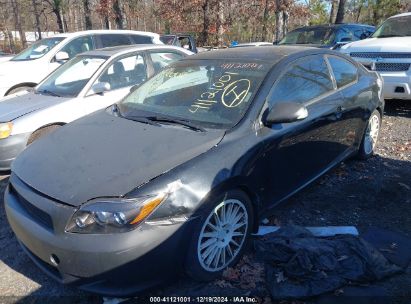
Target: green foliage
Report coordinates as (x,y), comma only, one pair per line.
(318,11)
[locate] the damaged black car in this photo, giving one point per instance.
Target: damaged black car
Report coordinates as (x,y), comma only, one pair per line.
(175,177)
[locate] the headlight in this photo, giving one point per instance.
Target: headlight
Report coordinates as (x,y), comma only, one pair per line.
(5,129)
(113,215)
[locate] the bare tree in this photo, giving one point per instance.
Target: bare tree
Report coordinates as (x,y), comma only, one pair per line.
(279,18)
(265,20)
(17,21)
(57,9)
(340,12)
(87,14)
(206,21)
(333,12)
(119,12)
(220,22)
(37,13)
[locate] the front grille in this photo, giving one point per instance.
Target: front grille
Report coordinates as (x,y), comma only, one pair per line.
(392,67)
(35,213)
(374,55)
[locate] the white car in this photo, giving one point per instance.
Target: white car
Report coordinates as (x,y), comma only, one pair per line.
(28,68)
(388,52)
(89,82)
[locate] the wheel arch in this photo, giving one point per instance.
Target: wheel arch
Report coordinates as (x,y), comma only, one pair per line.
(240,184)
(60,124)
(23,84)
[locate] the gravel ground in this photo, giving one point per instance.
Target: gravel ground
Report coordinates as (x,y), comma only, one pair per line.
(372,193)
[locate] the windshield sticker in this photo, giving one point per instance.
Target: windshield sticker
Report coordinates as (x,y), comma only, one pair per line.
(233,93)
(248,66)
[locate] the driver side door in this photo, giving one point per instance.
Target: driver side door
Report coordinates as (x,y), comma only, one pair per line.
(295,153)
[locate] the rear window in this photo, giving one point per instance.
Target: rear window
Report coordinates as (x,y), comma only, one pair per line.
(141,39)
(114,40)
(344,71)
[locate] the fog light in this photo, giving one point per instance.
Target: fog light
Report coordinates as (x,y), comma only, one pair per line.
(54,259)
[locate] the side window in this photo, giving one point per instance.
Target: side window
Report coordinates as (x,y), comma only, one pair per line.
(345,35)
(344,71)
(114,40)
(78,45)
(303,81)
(124,72)
(359,34)
(162,59)
(140,39)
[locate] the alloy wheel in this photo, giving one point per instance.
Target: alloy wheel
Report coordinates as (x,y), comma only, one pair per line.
(222,235)
(371,134)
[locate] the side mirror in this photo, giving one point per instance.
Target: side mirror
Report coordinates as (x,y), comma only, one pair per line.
(62,56)
(286,112)
(100,88)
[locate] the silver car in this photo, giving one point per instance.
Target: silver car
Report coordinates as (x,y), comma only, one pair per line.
(87,83)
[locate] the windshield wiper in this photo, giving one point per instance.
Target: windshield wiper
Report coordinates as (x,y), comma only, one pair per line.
(142,119)
(47,92)
(181,122)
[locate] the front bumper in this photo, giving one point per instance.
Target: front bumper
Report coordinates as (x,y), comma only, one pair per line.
(397,85)
(10,147)
(122,264)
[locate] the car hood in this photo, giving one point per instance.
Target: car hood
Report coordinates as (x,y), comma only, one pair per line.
(22,103)
(390,44)
(321,46)
(106,156)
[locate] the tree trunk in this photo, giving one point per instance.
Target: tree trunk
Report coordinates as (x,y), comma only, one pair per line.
(37,18)
(220,23)
(118,10)
(279,18)
(359,9)
(340,12)
(18,25)
(376,12)
(59,19)
(333,12)
(87,14)
(265,20)
(206,22)
(286,16)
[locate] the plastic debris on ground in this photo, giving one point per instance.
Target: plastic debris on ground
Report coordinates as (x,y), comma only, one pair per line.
(298,264)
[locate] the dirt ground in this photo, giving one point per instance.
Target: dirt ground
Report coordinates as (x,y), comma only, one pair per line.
(375,193)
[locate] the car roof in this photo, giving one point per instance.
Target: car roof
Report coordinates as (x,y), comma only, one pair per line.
(81,33)
(337,25)
(268,53)
(401,15)
(124,49)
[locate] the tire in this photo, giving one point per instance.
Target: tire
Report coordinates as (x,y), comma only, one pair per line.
(41,132)
(205,267)
(370,137)
(18,89)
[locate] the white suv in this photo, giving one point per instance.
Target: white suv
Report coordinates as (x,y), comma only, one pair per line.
(28,68)
(388,52)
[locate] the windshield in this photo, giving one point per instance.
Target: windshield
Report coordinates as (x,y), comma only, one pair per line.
(71,78)
(209,93)
(167,39)
(323,36)
(394,27)
(38,49)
